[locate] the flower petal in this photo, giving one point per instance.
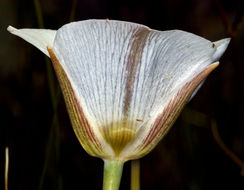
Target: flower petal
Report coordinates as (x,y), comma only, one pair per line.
(80,124)
(95,62)
(124,74)
(157,126)
(40,38)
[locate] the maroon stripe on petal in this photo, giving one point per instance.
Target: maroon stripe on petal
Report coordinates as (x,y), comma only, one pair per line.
(78,119)
(134,63)
(84,122)
(169,114)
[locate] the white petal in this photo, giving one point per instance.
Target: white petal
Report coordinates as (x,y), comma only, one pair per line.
(40,38)
(221,46)
(124,70)
(169,59)
(94,55)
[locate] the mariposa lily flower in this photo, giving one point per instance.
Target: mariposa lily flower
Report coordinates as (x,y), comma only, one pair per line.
(124,84)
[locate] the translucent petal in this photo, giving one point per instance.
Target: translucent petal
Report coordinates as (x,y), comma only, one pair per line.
(40,38)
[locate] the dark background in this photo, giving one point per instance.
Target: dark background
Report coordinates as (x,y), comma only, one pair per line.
(45,154)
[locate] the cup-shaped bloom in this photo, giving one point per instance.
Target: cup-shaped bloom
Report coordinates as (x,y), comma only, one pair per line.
(124,84)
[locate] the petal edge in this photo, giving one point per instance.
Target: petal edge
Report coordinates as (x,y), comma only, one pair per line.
(40,38)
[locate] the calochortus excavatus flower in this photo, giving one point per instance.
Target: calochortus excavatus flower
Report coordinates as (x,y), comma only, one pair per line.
(124,84)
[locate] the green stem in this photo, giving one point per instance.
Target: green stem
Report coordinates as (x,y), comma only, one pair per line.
(112,174)
(135,175)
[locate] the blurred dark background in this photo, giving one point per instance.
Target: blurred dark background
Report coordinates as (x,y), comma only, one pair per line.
(44,152)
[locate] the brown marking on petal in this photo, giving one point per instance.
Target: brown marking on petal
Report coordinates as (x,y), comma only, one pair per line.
(78,119)
(133,64)
(139,120)
(165,120)
(213,45)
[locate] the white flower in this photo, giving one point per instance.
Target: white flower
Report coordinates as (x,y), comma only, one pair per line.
(124,84)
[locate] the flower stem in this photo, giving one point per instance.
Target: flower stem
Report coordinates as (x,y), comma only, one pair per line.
(135,175)
(6,167)
(112,174)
